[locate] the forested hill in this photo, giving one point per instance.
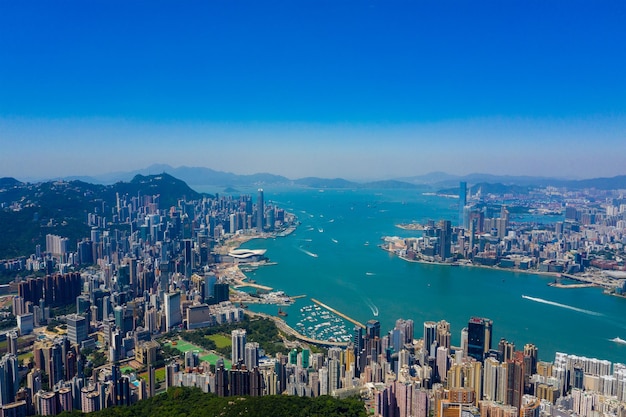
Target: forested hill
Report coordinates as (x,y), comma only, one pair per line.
(28,212)
(191,402)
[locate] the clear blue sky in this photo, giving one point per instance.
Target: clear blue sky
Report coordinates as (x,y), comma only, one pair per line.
(357,89)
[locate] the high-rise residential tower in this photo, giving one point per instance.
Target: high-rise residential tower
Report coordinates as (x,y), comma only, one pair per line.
(238,338)
(443,334)
(251,358)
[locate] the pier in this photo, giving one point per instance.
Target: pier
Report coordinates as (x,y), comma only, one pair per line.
(240,284)
(319,303)
(597,279)
(559,285)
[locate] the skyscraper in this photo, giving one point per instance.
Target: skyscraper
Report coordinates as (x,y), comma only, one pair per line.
(430,336)
(443,334)
(357,339)
(406,326)
(334,375)
(372,329)
(238,338)
(306,353)
(173,316)
(515,380)
(490,379)
(118,313)
(209,281)
(441,363)
(188,256)
(445,239)
(9,379)
(478,337)
(462,203)
(372,340)
(505,350)
(530,366)
(77,328)
(12,342)
(260,208)
(464,340)
(251,356)
(220,293)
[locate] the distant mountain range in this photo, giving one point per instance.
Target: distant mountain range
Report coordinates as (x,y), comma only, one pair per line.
(441,179)
(191,175)
(434,181)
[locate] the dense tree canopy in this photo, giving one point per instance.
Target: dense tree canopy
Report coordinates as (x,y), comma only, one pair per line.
(192,402)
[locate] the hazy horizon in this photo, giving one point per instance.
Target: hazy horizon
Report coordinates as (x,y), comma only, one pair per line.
(158,168)
(356,90)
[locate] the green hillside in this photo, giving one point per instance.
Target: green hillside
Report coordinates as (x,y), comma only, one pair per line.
(190,402)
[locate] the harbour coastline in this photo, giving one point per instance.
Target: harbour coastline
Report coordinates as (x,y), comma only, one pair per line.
(586,282)
(361,276)
(469,264)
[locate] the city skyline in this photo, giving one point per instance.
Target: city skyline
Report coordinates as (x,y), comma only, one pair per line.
(352,90)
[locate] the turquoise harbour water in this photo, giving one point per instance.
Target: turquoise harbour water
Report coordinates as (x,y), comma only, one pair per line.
(353,275)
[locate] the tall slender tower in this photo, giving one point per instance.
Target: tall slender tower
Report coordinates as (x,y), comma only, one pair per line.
(444,233)
(515,380)
(462,203)
(238,338)
(260,209)
(251,358)
(443,334)
(171,305)
(430,336)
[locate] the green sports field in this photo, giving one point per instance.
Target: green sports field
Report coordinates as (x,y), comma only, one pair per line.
(212,359)
(159,375)
(184,346)
(220,340)
(127,369)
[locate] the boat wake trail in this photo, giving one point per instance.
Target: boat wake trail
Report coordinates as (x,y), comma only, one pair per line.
(372,307)
(314,255)
(618,340)
(552,303)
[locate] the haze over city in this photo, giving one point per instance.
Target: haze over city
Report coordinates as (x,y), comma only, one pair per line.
(360,90)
